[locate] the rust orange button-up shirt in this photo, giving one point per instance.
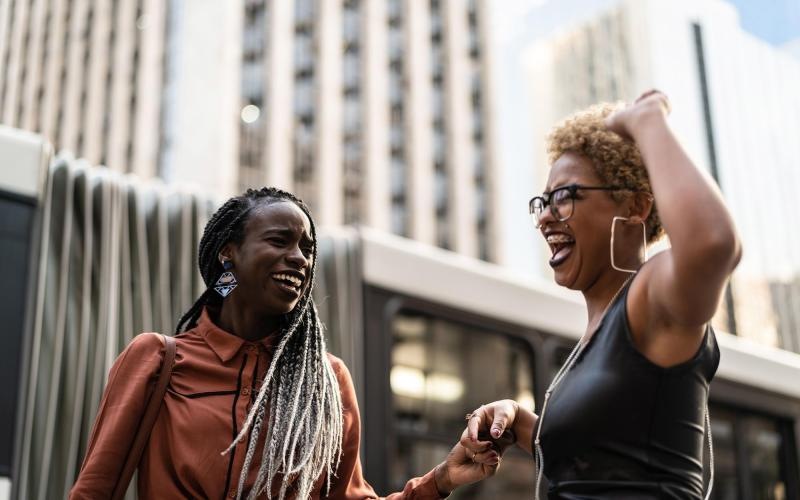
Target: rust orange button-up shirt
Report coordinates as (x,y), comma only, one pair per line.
(214,381)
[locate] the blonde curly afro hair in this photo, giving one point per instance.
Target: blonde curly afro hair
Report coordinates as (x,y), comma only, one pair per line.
(616,161)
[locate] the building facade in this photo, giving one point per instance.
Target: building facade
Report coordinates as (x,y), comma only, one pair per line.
(735,111)
(87,76)
(374,112)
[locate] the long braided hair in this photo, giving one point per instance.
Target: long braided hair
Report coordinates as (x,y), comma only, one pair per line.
(299,400)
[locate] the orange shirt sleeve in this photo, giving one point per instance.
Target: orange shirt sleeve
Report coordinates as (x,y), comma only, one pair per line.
(349,483)
(117,421)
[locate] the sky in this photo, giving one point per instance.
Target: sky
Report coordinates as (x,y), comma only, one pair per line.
(774,21)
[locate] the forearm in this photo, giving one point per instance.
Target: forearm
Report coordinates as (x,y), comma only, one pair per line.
(690,204)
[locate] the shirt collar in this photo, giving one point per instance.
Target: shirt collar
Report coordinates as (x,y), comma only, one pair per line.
(225,345)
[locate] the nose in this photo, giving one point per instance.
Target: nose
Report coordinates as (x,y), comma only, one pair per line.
(297,259)
(546,217)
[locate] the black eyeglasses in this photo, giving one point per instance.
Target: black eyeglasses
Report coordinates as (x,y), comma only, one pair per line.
(562,201)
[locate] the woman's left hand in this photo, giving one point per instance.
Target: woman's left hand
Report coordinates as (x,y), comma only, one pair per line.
(462,467)
(651,104)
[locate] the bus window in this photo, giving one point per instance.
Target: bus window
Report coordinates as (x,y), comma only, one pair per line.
(441,370)
(763,441)
(726,479)
(750,457)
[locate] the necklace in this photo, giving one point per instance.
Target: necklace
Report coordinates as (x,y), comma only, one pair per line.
(573,356)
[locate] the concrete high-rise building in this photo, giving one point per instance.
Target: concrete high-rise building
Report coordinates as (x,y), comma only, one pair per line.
(736,112)
(375,112)
(87,76)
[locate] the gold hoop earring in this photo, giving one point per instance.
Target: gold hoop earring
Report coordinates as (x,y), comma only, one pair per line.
(644,240)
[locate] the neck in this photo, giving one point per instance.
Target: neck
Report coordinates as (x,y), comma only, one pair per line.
(600,294)
(246,323)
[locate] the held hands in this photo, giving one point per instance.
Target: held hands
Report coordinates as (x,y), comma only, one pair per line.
(651,105)
(478,453)
(493,417)
(459,468)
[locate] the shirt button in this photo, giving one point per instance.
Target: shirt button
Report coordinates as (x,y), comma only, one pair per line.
(232,494)
(251,348)
(246,391)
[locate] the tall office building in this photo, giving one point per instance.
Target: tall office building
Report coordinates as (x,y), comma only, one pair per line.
(87,76)
(736,111)
(376,112)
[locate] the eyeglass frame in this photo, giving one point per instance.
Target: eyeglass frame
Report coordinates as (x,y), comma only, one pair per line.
(573,190)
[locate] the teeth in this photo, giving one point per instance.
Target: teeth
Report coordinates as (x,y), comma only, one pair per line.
(555,239)
(291,279)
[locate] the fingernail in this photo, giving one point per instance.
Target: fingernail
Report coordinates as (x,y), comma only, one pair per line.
(496,432)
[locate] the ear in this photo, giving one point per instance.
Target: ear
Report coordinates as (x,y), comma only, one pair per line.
(227,252)
(639,207)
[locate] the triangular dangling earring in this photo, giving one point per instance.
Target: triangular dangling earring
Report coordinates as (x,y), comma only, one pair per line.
(227,281)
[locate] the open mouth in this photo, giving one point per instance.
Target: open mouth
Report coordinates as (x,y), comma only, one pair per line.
(561,247)
(288,282)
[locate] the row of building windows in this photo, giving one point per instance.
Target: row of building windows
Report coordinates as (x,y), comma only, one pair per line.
(440,175)
(352,153)
(398,160)
(477,115)
(305,12)
(253,83)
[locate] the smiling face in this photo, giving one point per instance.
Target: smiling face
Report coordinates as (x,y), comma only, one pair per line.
(580,245)
(273,261)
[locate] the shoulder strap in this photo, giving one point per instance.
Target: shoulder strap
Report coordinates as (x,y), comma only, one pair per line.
(149,418)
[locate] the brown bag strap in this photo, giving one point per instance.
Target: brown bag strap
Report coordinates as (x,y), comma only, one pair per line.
(149,418)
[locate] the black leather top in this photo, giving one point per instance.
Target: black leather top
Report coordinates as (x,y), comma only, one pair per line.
(619,426)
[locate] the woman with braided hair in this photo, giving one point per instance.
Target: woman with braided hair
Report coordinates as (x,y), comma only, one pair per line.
(255,407)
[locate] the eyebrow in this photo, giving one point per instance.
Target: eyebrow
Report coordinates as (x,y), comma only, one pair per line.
(287,232)
(559,186)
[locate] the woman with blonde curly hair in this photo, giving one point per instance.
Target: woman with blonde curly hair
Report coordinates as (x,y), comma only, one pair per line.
(626,415)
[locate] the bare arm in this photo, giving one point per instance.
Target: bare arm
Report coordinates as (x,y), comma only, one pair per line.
(684,285)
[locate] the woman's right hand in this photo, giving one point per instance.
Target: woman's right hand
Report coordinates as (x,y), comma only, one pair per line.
(495,418)
(651,105)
